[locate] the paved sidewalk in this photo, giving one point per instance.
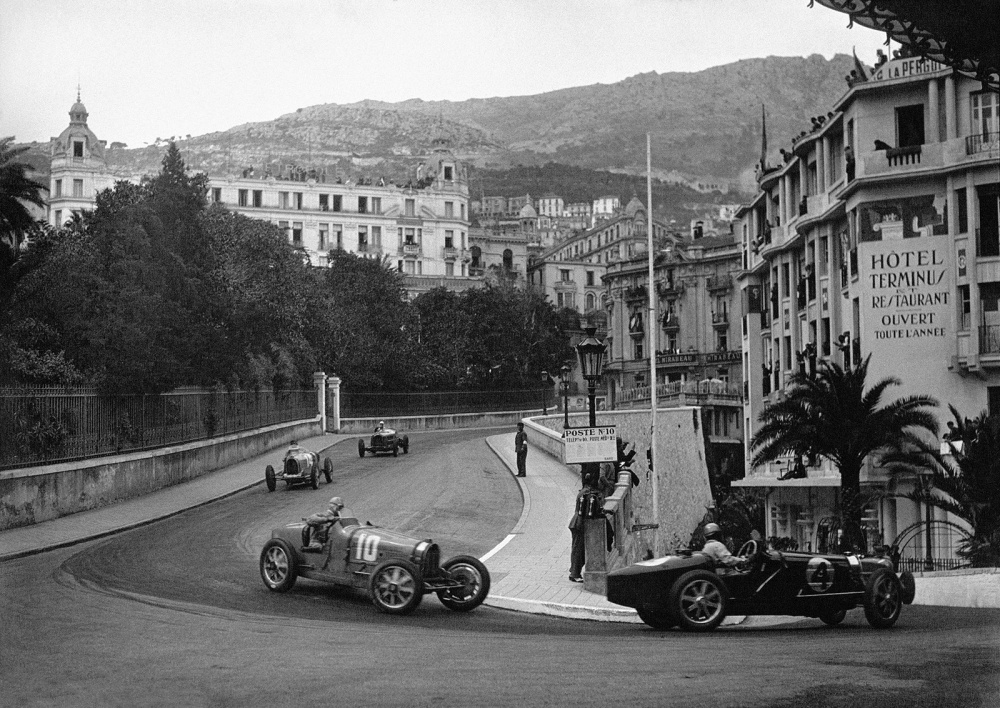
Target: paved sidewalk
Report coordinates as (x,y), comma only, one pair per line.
(108,520)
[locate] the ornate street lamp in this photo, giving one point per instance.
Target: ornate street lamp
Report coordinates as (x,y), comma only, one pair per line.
(545,391)
(591,353)
(564,387)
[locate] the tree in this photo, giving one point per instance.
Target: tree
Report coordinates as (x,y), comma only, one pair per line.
(16,188)
(832,415)
(964,481)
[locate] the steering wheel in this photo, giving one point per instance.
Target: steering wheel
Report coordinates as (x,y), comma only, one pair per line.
(748,550)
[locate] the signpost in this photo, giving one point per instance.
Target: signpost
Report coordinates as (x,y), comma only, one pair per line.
(590,444)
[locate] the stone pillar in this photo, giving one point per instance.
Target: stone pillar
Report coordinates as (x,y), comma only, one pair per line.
(595,574)
(319,381)
(933,113)
(950,116)
(333,403)
(823,165)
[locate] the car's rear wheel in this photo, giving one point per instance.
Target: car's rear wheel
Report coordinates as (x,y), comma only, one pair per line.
(406,445)
(395,449)
(314,478)
(883,599)
(396,587)
(328,469)
(698,601)
(270,479)
(277,565)
(833,618)
(909,587)
(656,617)
(361,448)
(476,584)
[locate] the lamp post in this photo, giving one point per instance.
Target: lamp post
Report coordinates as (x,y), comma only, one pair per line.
(591,353)
(545,392)
(564,387)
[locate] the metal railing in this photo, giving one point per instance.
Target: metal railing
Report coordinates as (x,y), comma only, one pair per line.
(367,404)
(989,339)
(984,142)
(51,424)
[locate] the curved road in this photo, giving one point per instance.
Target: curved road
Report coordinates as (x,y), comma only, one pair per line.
(175,614)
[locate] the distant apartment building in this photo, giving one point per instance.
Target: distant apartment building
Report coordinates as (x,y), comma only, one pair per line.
(550,205)
(877,235)
(606,207)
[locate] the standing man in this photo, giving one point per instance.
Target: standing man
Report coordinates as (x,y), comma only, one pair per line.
(521,448)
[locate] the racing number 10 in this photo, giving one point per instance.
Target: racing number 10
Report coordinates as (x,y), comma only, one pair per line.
(367,547)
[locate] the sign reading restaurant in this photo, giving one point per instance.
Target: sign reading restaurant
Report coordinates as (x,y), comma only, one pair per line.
(901,68)
(590,445)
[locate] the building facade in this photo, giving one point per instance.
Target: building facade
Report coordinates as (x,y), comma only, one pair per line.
(876,236)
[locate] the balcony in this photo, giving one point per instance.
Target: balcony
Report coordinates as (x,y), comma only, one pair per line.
(451,253)
(718,283)
(903,159)
(988,143)
(410,249)
(669,288)
(720,320)
(639,292)
(670,322)
(989,339)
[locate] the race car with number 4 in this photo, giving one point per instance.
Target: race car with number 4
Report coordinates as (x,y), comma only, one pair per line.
(394,569)
(687,590)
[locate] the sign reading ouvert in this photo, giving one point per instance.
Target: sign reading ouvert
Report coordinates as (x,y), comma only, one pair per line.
(590,445)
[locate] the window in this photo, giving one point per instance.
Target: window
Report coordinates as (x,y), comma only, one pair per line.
(285,229)
(217,195)
(785,281)
(462,209)
(410,207)
(298,200)
(591,301)
(565,275)
(338,237)
(377,236)
(985,121)
(324,237)
(362,205)
(376,205)
(449,239)
(282,200)
(993,400)
(721,340)
(77,148)
(590,277)
(58,217)
(258,198)
(637,349)
(362,238)
(989,221)
(338,202)
(297,234)
(476,254)
(910,125)
(242,198)
(449,173)
(409,238)
(449,268)
(324,202)
(449,210)
(59,188)
(962,209)
(508,259)
(965,308)
(409,267)
(78,188)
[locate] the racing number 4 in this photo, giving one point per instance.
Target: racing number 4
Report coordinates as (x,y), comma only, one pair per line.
(367,547)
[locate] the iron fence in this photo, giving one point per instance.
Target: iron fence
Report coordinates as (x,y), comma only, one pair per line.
(365,404)
(48,424)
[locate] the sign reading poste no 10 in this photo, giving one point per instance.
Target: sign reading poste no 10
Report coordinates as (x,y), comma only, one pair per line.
(590,445)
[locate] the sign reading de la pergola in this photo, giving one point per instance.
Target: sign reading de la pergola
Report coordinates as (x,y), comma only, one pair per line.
(901,68)
(590,444)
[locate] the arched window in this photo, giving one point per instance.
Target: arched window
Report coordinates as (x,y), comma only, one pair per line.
(477,254)
(591,301)
(508,259)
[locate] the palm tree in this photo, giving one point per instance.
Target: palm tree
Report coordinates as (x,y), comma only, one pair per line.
(15,189)
(968,474)
(830,414)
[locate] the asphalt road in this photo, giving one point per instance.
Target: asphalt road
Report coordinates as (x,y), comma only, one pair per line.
(175,614)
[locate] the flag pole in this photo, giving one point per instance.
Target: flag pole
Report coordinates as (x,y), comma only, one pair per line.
(651,325)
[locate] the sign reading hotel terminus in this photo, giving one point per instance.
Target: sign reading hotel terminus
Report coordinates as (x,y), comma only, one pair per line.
(590,444)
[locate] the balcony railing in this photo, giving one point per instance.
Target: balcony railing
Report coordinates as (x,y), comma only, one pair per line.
(989,339)
(909,155)
(720,318)
(410,249)
(984,142)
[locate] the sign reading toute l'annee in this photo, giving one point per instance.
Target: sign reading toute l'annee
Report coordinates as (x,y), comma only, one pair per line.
(590,445)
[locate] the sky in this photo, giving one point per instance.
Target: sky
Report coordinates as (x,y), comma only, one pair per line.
(149,69)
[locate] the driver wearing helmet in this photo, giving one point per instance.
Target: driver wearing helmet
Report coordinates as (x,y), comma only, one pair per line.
(716,549)
(318,524)
(380,427)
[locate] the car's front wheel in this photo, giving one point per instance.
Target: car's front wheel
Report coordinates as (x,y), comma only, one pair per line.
(396,587)
(883,599)
(656,617)
(277,565)
(328,469)
(406,445)
(476,583)
(395,449)
(314,478)
(833,618)
(270,479)
(698,601)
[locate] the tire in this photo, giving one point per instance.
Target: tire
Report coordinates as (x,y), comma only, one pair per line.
(477,584)
(277,565)
(361,448)
(327,469)
(270,479)
(406,445)
(396,587)
(883,599)
(314,478)
(656,617)
(909,587)
(833,618)
(395,449)
(698,601)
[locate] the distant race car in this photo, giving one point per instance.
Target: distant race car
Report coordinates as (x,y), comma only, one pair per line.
(300,466)
(385,440)
(396,570)
(686,589)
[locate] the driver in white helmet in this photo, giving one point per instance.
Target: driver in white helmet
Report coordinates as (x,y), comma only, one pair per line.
(716,549)
(320,522)
(380,427)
